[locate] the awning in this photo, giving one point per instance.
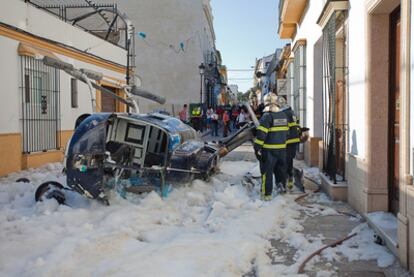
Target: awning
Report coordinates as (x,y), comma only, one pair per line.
(26,49)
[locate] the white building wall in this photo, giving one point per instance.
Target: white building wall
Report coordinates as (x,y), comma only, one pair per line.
(357,78)
(412,93)
(166,70)
(10,103)
(28,18)
(234,89)
(308,29)
(38,22)
(69,114)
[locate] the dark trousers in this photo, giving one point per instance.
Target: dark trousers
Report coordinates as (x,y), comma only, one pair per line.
(290,155)
(215,128)
(225,129)
(272,162)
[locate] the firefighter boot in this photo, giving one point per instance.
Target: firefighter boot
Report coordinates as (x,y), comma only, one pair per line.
(266,198)
(290,184)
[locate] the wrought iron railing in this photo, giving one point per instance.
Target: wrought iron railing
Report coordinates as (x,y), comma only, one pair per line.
(101,20)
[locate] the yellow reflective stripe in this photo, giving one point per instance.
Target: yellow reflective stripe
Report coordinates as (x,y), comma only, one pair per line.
(274,146)
(293,140)
(279,129)
(259,142)
(263,129)
(263,184)
(293,124)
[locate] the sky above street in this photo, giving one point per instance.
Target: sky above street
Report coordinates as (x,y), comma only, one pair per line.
(245,30)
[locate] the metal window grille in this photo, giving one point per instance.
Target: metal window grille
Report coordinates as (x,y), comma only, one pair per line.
(40,88)
(334,132)
(290,80)
(299,83)
(299,86)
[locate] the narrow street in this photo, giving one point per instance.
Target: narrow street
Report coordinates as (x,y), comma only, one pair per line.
(212,138)
(210,228)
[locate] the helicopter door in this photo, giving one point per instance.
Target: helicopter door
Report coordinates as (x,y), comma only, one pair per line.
(157,148)
(130,133)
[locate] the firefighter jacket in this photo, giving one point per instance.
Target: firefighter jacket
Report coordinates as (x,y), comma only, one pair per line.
(294,127)
(196,112)
(272,133)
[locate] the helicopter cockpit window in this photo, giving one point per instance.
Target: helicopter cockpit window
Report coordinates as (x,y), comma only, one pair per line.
(92,141)
(89,150)
(135,133)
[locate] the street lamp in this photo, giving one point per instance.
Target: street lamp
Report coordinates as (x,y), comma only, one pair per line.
(201,68)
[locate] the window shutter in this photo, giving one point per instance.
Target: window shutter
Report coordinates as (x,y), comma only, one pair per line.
(74,92)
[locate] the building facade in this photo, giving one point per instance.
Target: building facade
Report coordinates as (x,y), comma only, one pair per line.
(351,66)
(172,39)
(40,104)
(261,79)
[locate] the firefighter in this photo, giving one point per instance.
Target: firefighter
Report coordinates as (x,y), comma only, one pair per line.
(196,114)
(270,145)
(293,140)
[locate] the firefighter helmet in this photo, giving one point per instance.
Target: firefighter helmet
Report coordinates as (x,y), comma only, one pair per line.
(281,102)
(270,102)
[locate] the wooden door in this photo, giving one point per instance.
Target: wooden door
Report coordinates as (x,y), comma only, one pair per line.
(394,111)
(108,104)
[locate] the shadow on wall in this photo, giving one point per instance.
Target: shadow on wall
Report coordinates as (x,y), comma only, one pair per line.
(354,146)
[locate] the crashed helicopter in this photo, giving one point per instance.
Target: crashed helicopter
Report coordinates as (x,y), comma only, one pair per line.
(133,152)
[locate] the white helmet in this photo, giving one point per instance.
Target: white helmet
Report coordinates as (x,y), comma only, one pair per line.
(270,102)
(281,102)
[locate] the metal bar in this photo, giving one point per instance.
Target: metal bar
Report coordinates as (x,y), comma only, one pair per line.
(37,140)
(30,136)
(23,78)
(111,26)
(81,17)
(28,106)
(49,111)
(58,122)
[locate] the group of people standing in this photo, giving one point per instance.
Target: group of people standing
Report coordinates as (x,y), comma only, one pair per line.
(276,143)
(230,118)
(277,138)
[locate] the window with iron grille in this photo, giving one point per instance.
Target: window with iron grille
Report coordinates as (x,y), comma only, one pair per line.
(299,86)
(40,106)
(335,72)
(290,87)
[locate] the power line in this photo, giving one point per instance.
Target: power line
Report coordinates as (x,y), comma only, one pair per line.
(240,69)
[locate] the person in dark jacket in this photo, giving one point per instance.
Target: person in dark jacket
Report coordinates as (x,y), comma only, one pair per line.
(270,146)
(292,142)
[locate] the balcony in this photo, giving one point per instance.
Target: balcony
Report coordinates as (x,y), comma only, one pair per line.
(290,14)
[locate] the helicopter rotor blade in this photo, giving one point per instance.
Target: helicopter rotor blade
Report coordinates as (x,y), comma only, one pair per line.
(148,95)
(57,64)
(113,95)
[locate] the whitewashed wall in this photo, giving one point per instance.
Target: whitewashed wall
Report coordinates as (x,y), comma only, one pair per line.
(10,103)
(357,78)
(162,70)
(308,29)
(412,92)
(38,22)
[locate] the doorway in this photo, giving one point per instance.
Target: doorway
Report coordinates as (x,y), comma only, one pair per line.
(108,103)
(394,111)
